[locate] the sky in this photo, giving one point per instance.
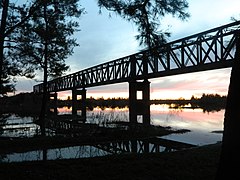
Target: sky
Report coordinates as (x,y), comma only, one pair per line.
(105,37)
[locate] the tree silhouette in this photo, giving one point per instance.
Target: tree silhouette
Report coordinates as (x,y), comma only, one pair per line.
(47,41)
(146,15)
(12,18)
(4,6)
(230,158)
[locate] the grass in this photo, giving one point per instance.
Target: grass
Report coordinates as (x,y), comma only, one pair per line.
(190,164)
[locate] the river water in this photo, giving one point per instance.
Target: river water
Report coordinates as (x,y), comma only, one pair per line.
(205,128)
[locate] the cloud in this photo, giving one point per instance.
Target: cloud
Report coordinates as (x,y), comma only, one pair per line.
(205,15)
(103,39)
(186,85)
(24,84)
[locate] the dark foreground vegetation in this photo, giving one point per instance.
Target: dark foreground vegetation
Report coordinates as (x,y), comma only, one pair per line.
(191,164)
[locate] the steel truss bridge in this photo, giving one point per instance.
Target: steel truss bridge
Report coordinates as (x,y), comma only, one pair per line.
(208,50)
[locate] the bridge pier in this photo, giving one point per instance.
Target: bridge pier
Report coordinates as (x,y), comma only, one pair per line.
(139,106)
(82,93)
(53,96)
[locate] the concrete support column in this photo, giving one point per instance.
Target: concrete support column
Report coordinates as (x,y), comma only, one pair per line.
(53,96)
(74,102)
(82,106)
(139,106)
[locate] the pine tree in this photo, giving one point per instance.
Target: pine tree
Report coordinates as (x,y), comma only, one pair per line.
(146,15)
(47,41)
(12,18)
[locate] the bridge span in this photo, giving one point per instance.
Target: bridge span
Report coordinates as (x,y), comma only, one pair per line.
(208,50)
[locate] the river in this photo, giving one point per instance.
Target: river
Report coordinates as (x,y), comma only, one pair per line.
(205,128)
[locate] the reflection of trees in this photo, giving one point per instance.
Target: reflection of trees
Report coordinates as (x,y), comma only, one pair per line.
(78,152)
(172,114)
(3,120)
(208,102)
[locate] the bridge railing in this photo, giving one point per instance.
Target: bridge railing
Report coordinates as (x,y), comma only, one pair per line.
(212,49)
(208,50)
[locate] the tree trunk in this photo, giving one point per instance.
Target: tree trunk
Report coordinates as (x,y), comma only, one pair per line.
(43,108)
(230,157)
(2,37)
(45,76)
(44,99)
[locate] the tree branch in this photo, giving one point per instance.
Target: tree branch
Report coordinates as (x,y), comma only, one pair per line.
(31,11)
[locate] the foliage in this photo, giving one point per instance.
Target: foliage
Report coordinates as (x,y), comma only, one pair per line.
(209,102)
(50,28)
(9,71)
(24,36)
(146,15)
(12,17)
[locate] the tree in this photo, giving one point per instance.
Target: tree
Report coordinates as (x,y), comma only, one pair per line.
(4,7)
(12,18)
(9,71)
(47,41)
(146,15)
(230,158)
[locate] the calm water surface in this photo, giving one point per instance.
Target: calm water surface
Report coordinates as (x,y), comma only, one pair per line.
(201,125)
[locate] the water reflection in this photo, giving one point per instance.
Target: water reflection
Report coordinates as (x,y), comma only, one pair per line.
(12,125)
(193,119)
(75,152)
(145,145)
(199,123)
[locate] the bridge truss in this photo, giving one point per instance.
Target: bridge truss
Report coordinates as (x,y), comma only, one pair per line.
(208,50)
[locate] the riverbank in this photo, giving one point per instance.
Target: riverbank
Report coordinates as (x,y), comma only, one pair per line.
(195,163)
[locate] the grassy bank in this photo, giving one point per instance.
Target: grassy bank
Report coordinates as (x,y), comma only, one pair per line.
(191,164)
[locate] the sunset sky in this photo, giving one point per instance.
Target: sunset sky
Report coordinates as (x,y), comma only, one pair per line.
(103,39)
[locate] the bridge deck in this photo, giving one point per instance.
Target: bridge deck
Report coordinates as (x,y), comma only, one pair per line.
(208,50)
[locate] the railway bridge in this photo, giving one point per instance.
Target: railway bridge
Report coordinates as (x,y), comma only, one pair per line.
(208,50)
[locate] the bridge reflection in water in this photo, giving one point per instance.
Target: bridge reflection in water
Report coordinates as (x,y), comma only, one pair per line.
(147,145)
(209,50)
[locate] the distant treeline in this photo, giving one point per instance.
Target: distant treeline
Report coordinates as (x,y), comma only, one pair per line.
(210,102)
(100,102)
(31,103)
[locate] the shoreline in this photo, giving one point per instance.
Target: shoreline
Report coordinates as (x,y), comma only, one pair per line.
(194,163)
